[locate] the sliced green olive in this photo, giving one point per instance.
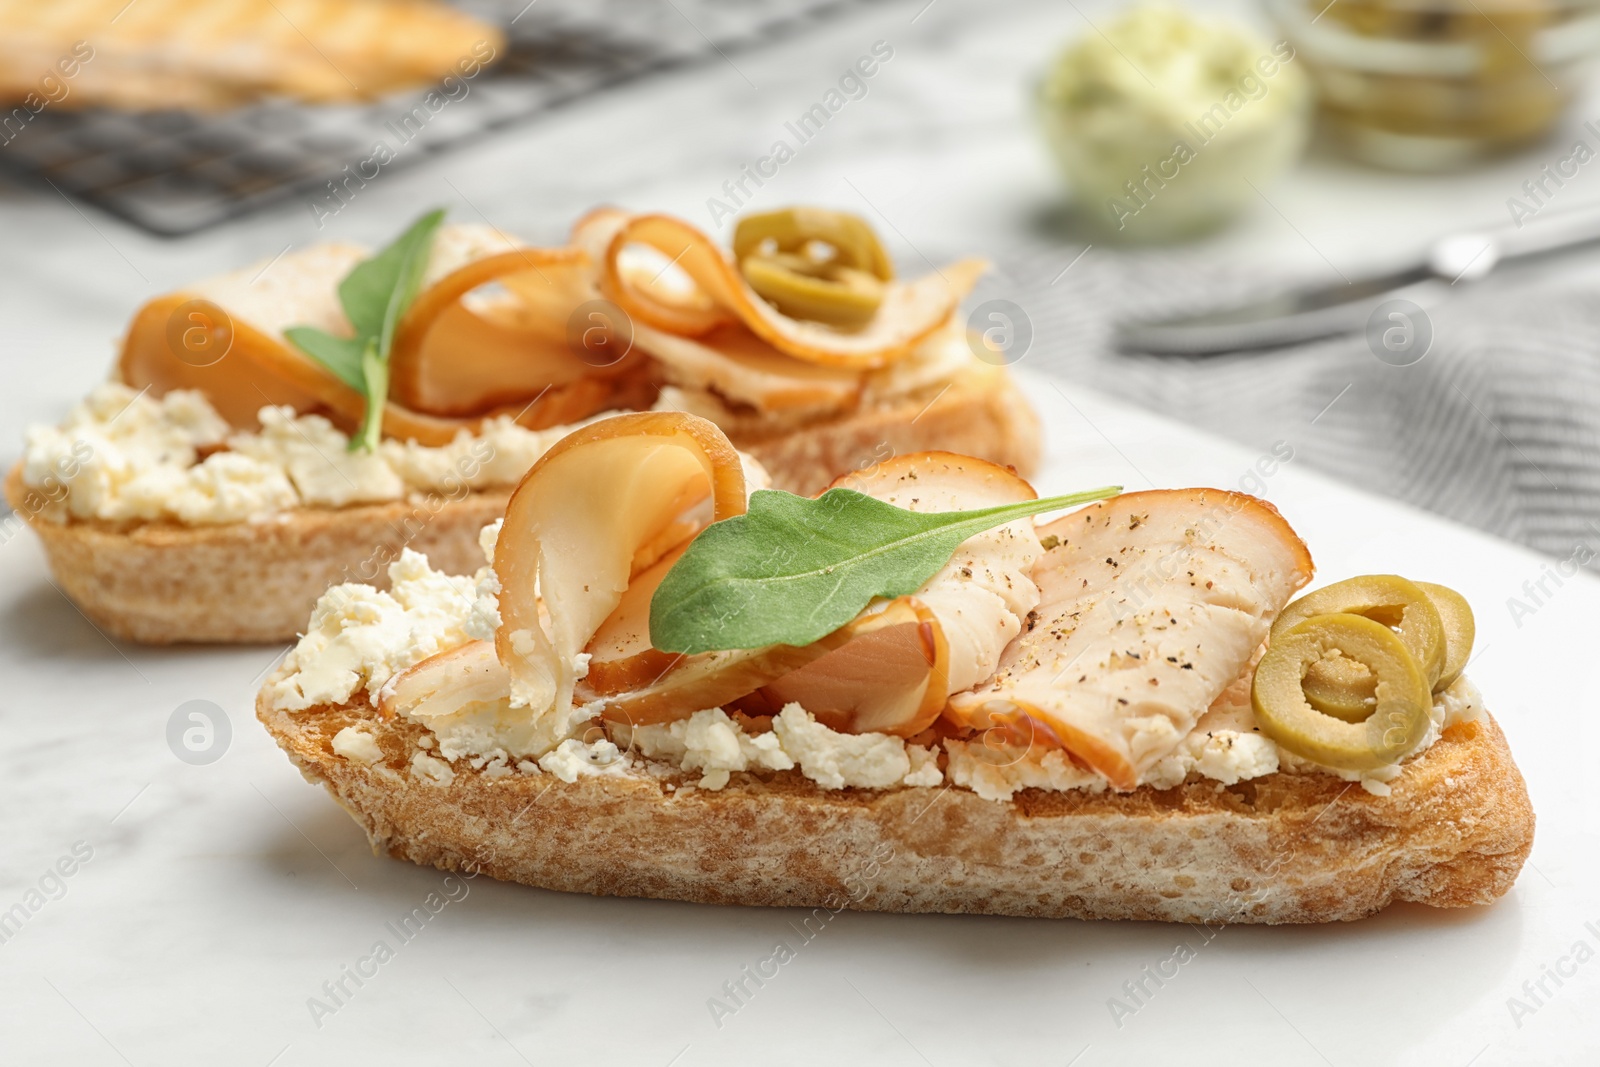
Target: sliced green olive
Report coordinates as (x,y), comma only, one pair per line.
(1460,631)
(1399,718)
(1385,598)
(1342,687)
(821,292)
(810,263)
(849,241)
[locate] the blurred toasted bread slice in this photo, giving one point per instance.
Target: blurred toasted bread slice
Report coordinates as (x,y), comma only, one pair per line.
(160,583)
(206,56)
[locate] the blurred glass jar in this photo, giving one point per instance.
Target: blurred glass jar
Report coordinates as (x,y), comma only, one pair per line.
(1162,122)
(1434,84)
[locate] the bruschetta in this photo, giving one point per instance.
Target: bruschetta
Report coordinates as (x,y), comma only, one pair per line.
(681,684)
(233,468)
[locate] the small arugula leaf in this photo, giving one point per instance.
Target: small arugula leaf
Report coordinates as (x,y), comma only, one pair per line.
(341,355)
(375,296)
(374,286)
(793,569)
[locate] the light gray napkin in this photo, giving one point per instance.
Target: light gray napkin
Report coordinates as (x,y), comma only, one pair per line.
(1497,426)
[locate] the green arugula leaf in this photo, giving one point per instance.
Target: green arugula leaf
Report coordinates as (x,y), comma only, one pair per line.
(793,569)
(378,290)
(342,355)
(375,296)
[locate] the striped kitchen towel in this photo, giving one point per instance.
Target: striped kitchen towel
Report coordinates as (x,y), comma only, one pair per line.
(1497,426)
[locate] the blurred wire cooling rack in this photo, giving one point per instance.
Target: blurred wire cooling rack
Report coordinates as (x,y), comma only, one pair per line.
(176,172)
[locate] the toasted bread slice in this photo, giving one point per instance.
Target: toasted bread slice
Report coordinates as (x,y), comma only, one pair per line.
(244,582)
(1284,848)
(160,583)
(185,53)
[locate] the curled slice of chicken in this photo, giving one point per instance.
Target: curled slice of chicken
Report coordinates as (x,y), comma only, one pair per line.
(447,683)
(486,336)
(910,310)
(593,231)
(259,367)
(494,332)
(621,657)
(499,330)
(891,676)
(892,668)
(732,362)
(1152,604)
(463,696)
(884,671)
(643,685)
(472,679)
(594,510)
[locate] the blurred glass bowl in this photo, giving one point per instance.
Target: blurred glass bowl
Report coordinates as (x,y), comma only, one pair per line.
(1164,125)
(1434,84)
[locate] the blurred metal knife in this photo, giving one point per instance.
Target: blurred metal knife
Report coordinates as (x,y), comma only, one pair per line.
(1307,314)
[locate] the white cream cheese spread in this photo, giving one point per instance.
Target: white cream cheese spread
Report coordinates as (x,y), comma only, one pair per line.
(125,456)
(357,743)
(359,637)
(713,743)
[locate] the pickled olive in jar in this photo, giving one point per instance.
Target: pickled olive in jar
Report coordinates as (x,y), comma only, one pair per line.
(1399,719)
(1460,631)
(1386,598)
(1434,84)
(809,263)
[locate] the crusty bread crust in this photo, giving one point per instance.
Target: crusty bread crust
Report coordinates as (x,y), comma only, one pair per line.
(160,583)
(1286,848)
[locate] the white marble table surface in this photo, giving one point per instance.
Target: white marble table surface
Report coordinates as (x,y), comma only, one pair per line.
(217,899)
